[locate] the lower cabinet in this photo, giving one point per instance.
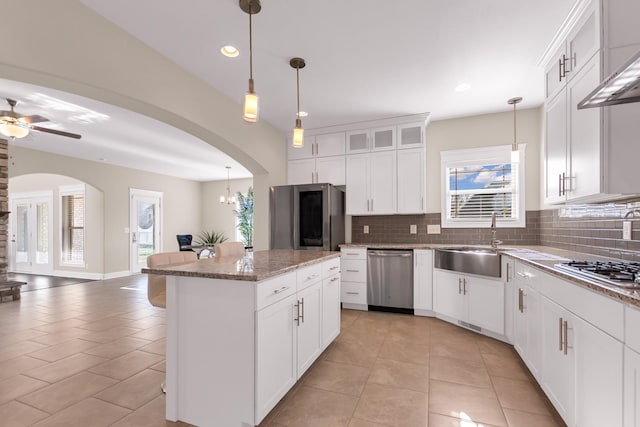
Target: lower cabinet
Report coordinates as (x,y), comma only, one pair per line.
(309,335)
(527,336)
(330,309)
(423,282)
(631,388)
(353,278)
(476,300)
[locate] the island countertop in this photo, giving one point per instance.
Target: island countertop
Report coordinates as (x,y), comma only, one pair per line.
(255,266)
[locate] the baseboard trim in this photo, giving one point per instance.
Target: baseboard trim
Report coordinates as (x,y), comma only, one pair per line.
(117,274)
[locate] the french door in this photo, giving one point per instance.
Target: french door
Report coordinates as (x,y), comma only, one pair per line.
(31,225)
(145,226)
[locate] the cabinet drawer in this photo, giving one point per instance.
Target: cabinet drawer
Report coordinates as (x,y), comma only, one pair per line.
(354,270)
(632,332)
(275,289)
(353,293)
(308,275)
(329,268)
(353,253)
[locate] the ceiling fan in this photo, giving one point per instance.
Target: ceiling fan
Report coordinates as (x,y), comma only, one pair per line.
(15,125)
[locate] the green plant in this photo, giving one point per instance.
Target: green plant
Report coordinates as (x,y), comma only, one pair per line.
(244,213)
(210,238)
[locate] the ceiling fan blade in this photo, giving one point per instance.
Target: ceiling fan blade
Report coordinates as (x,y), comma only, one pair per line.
(56,132)
(33,119)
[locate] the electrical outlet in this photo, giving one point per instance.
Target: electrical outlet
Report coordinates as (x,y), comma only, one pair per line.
(126,230)
(413,229)
(365,229)
(626,230)
(433,229)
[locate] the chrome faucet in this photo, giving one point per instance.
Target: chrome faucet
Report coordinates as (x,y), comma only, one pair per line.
(494,241)
(632,213)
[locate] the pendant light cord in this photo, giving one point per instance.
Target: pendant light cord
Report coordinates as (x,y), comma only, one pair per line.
(250,53)
(298,90)
(514,126)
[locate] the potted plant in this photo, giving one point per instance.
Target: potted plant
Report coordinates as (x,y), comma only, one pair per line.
(209,239)
(244,213)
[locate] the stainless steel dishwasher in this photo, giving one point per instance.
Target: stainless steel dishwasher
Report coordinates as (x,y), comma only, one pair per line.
(390,280)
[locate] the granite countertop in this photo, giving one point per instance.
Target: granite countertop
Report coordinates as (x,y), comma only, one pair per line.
(543,257)
(257,266)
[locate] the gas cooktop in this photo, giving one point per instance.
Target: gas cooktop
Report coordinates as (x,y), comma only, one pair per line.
(624,274)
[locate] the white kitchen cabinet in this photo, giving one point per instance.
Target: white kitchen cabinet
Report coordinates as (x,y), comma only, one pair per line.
(375,139)
(423,282)
(307,151)
(508,279)
(309,326)
(330,302)
(555,153)
(371,183)
(476,300)
(599,377)
(353,278)
(527,338)
(276,361)
(631,388)
(410,135)
(411,181)
(321,145)
(316,170)
(558,358)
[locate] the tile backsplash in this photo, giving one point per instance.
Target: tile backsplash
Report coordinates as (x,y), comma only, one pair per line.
(600,235)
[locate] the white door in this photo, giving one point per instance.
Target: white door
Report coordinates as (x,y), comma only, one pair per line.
(485,303)
(32,235)
(555,148)
(358,184)
(330,309)
(447,295)
(309,326)
(145,226)
(411,181)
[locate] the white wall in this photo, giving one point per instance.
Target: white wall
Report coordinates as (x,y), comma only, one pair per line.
(483,131)
(182,198)
(94,226)
(216,216)
(69,47)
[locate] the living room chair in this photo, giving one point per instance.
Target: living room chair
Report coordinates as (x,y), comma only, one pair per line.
(184,240)
(230,249)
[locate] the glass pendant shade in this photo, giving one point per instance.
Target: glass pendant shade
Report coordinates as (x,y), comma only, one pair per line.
(250,107)
(515,155)
(298,135)
(13,131)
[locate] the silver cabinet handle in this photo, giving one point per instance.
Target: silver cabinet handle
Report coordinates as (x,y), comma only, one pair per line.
(464,285)
(335,267)
(459,285)
(559,185)
(566,336)
(521,300)
(353,271)
(282,289)
(372,205)
(523,275)
(560,333)
(297,306)
(334,279)
(313,276)
(352,293)
(352,254)
(507,272)
(302,305)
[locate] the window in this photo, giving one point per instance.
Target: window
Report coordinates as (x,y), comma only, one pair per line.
(73,225)
(478,182)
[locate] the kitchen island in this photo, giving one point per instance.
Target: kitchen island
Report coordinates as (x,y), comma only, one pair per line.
(242,330)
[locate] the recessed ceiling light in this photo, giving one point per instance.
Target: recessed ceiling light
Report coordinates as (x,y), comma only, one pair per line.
(462,87)
(229,51)
(303,114)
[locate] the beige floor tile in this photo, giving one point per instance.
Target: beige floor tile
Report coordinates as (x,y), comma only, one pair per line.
(61,336)
(61,326)
(453,400)
(146,322)
(317,408)
(437,420)
(527,419)
(355,422)
(67,392)
(19,349)
(400,374)
(8,339)
(488,345)
(16,414)
(404,349)
(18,365)
(65,368)
(138,314)
(89,412)
(135,391)
(110,334)
(520,395)
(127,365)
(117,348)
(354,349)
(456,348)
(150,415)
(508,367)
(337,377)
(156,347)
(62,350)
(347,317)
(161,366)
(18,385)
(153,333)
(459,371)
(392,406)
(104,324)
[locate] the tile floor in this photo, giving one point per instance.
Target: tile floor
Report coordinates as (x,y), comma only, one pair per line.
(92,354)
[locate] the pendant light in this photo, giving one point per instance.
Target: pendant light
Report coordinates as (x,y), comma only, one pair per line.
(298,132)
(228,199)
(250,106)
(515,153)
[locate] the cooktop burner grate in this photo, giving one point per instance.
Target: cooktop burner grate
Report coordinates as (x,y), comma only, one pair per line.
(617,273)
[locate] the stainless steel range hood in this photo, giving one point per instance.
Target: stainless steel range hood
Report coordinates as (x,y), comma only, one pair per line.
(621,87)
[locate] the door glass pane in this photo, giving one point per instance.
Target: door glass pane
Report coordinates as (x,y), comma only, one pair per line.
(146,230)
(22,233)
(383,138)
(310,217)
(42,243)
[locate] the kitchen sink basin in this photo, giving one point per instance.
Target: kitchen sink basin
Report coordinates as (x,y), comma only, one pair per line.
(481,261)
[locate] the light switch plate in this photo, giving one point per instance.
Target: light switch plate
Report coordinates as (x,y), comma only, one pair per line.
(413,229)
(365,229)
(433,229)
(626,230)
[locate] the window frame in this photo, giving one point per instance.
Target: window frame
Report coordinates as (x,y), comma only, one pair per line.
(72,190)
(475,157)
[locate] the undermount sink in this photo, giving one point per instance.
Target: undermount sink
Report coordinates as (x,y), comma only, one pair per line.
(481,261)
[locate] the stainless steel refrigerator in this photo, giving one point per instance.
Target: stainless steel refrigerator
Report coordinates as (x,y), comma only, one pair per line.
(307,217)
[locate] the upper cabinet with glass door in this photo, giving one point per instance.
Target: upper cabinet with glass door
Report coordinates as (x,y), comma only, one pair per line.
(377,139)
